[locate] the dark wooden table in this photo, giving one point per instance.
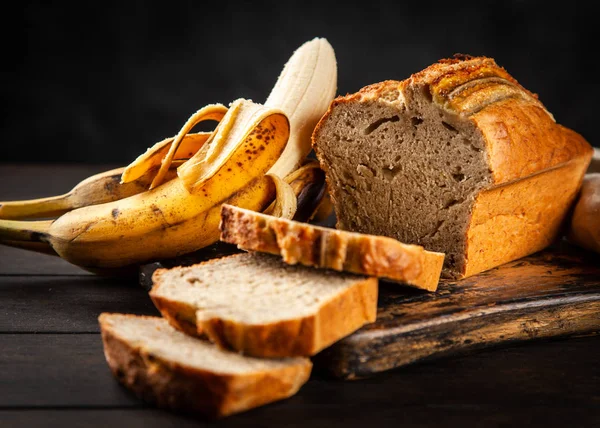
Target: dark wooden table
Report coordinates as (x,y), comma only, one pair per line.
(53,372)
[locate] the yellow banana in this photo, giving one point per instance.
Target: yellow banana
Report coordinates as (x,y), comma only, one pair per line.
(167,220)
(110,185)
(97,189)
(235,164)
(307,183)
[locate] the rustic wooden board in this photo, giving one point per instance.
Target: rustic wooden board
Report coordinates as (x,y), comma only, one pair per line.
(552,293)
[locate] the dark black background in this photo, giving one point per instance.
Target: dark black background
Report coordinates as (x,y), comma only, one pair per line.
(99,82)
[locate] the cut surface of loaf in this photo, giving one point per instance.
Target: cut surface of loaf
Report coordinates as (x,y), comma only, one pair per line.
(312,245)
(172,370)
(458,158)
(256,304)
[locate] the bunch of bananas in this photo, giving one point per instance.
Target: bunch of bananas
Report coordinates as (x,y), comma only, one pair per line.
(167,202)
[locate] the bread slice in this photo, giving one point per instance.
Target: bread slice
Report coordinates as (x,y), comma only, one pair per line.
(173,370)
(323,247)
(256,304)
(459,158)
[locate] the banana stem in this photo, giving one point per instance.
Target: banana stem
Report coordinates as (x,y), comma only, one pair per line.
(52,206)
(38,247)
(29,231)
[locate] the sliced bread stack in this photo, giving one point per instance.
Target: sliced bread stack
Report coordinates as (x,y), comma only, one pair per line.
(238,331)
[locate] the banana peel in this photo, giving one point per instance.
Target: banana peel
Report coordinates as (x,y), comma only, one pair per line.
(211,111)
(152,159)
(229,154)
(286,202)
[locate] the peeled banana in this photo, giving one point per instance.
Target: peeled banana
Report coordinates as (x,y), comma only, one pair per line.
(167,220)
(236,164)
(304,90)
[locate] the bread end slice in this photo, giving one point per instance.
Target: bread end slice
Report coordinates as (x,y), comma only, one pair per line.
(172,370)
(241,300)
(311,245)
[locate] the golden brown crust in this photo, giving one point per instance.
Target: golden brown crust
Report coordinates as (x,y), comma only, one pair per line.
(311,245)
(170,385)
(511,221)
(584,224)
(522,140)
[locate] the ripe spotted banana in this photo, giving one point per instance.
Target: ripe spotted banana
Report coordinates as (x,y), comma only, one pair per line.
(168,220)
(236,164)
(308,185)
(106,186)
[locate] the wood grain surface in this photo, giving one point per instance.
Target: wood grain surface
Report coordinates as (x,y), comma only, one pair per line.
(53,372)
(552,293)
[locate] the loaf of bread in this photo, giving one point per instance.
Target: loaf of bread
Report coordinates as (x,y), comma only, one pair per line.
(584,224)
(173,370)
(257,304)
(322,247)
(458,158)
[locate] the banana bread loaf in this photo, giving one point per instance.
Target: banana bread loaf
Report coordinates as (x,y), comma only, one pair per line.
(458,158)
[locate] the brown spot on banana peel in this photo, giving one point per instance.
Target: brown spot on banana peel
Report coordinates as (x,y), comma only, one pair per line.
(165,224)
(85,229)
(109,186)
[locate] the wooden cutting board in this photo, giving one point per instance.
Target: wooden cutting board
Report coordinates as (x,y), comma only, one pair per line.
(553,293)
(549,294)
